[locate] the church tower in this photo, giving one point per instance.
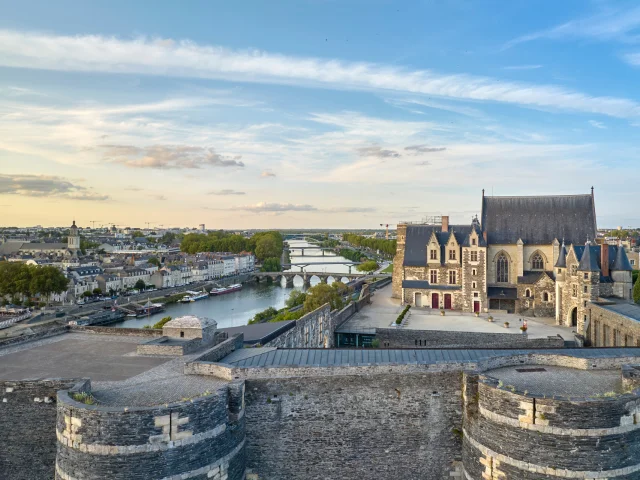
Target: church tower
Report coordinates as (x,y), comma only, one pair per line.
(73,242)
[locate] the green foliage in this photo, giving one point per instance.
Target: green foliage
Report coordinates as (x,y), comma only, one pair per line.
(353,255)
(162,322)
(86,294)
(167,239)
(636,291)
(402,314)
(369,266)
(263,244)
(389,269)
(287,315)
(97,291)
(271,265)
(387,247)
(267,247)
(154,261)
(87,245)
(375,343)
(323,293)
(296,297)
(136,234)
(26,280)
(263,315)
(140,285)
(84,397)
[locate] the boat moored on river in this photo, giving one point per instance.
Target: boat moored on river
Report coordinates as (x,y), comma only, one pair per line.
(194,296)
(223,290)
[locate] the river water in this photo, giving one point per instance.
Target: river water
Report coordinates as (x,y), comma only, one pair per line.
(235,309)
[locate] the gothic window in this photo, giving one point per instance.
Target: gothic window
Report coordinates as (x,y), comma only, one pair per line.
(474,256)
(452,254)
(537,263)
(452,277)
(545,297)
(434,255)
(574,290)
(502,269)
(433,277)
(527,293)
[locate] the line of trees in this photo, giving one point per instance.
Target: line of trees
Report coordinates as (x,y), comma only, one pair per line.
(353,255)
(385,246)
(263,244)
(21,280)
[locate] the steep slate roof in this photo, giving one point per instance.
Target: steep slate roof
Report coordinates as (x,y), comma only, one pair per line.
(589,260)
(562,257)
(530,278)
(467,239)
(418,236)
(539,220)
(621,261)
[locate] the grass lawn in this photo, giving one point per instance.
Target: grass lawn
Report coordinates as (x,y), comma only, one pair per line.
(389,269)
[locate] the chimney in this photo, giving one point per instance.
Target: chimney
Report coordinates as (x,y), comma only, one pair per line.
(484,235)
(445,223)
(604,259)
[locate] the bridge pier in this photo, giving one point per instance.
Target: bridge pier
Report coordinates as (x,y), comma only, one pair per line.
(302,249)
(289,281)
(349,269)
(307,280)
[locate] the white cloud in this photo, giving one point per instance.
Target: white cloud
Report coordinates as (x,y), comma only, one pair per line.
(95,53)
(264,207)
(617,24)
(167,156)
(632,59)
(226,192)
(596,124)
(267,174)
(46,186)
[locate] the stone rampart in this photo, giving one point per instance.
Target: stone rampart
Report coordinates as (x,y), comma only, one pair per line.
(215,354)
(27,420)
(44,333)
(313,330)
(125,332)
(611,329)
(409,338)
(354,427)
(512,434)
(201,437)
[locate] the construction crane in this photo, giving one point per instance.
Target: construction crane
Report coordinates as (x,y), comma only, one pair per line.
(93,223)
(387,234)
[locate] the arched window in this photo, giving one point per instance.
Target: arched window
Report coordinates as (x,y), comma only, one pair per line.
(502,269)
(545,297)
(537,263)
(527,293)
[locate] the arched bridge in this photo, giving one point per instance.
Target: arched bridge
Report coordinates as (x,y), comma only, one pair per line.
(349,264)
(302,249)
(305,276)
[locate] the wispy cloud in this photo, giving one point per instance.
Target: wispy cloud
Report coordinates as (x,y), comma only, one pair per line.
(378,152)
(632,59)
(522,67)
(264,207)
(167,156)
(618,24)
(596,124)
(94,53)
(159,197)
(267,174)
(46,186)
(418,149)
(225,192)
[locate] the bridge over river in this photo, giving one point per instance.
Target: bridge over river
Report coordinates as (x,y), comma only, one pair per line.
(306,277)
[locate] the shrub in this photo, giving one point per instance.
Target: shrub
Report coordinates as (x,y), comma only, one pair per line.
(84,397)
(636,291)
(375,343)
(162,322)
(402,314)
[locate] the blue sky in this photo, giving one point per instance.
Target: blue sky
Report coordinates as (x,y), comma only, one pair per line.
(313,113)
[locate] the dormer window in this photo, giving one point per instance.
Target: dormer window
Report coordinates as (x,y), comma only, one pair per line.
(452,254)
(586,276)
(474,241)
(433,255)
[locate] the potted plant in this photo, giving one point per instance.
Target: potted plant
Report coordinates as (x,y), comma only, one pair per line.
(523,329)
(442,312)
(477,314)
(490,318)
(506,324)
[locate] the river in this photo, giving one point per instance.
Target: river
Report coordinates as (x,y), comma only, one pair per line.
(235,309)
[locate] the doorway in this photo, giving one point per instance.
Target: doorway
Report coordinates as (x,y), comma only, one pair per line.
(574,317)
(435,300)
(447,301)
(476,306)
(418,299)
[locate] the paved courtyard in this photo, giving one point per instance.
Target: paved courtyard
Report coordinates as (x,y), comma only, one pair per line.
(384,310)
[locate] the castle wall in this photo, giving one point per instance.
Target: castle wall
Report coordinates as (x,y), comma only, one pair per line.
(203,437)
(610,329)
(510,434)
(398,260)
(354,427)
(27,423)
(409,338)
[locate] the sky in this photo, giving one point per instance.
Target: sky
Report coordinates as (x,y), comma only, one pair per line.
(313,113)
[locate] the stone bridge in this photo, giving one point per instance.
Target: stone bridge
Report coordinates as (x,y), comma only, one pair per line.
(302,249)
(305,276)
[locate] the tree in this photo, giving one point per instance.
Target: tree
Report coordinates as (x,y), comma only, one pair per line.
(369,266)
(86,294)
(271,265)
(140,285)
(636,291)
(162,322)
(136,234)
(323,293)
(267,247)
(296,297)
(97,291)
(154,261)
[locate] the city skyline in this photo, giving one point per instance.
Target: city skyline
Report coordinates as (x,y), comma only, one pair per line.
(313,114)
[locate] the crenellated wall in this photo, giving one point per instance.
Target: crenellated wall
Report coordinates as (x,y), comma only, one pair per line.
(201,437)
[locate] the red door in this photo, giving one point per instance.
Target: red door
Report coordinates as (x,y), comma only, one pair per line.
(476,306)
(435,300)
(447,301)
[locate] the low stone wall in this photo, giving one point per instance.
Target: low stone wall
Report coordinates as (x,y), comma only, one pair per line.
(161,346)
(125,332)
(27,423)
(408,338)
(313,330)
(216,353)
(341,316)
(44,333)
(203,437)
(610,329)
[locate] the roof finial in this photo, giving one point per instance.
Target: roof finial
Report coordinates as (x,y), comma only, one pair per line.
(592,190)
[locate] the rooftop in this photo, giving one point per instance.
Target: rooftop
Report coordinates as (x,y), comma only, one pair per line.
(191,321)
(260,332)
(629,310)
